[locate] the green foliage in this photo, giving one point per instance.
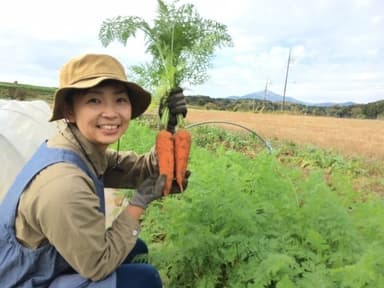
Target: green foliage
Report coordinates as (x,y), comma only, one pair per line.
(180,42)
(139,137)
(312,157)
(210,137)
(374,110)
(21,91)
(255,222)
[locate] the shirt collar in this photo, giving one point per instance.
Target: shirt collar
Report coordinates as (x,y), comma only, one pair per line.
(81,145)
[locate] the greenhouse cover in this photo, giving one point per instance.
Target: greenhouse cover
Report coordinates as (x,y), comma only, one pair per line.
(24,126)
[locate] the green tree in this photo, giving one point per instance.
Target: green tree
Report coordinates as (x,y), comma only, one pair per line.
(373,110)
(180,41)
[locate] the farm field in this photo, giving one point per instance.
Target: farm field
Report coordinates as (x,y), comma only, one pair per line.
(350,137)
(298,217)
(302,218)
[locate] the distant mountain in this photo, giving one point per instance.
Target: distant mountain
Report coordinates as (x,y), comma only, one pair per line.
(330,104)
(274,97)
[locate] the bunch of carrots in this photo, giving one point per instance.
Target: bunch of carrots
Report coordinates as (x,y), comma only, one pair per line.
(173,153)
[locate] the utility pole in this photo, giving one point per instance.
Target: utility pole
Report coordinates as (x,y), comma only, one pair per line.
(254,105)
(286,78)
(266,90)
(265,95)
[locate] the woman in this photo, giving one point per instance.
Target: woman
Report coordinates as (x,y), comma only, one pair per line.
(52,222)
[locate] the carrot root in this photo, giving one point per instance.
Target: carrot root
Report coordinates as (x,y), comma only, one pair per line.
(182,147)
(165,155)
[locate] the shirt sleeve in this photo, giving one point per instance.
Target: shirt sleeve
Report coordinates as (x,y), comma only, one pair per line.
(68,213)
(128,170)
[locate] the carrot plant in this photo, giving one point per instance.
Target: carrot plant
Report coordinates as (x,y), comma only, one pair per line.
(255,222)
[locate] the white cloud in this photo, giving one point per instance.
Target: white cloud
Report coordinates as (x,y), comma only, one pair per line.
(337,46)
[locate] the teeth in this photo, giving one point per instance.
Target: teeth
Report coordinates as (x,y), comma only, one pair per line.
(109,127)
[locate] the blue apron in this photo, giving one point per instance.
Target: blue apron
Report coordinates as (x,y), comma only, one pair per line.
(44,266)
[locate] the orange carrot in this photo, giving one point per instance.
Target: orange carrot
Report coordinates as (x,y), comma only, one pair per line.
(165,156)
(182,139)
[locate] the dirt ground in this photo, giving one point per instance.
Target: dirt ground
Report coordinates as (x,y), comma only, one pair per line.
(350,137)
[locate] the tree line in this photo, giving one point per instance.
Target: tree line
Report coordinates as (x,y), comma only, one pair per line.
(374,110)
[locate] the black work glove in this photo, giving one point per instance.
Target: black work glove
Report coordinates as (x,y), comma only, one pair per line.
(151,189)
(176,104)
(175,188)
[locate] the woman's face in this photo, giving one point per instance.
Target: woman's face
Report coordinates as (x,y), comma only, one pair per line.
(101,113)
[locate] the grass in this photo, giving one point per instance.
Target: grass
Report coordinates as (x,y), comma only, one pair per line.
(22,91)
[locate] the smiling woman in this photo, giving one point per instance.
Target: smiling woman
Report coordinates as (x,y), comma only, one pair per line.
(53,216)
(102,113)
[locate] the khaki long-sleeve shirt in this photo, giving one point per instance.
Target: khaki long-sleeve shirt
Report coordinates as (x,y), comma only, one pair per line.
(60,206)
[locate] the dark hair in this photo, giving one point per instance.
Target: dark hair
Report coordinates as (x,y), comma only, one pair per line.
(68,99)
(71,93)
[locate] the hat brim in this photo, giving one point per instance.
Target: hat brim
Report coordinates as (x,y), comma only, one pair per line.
(140,98)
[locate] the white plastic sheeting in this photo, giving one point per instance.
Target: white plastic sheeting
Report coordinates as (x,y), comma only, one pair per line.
(23,127)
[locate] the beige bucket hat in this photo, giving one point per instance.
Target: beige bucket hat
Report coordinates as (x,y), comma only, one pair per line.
(89,70)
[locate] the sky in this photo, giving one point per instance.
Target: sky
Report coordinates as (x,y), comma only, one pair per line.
(337,46)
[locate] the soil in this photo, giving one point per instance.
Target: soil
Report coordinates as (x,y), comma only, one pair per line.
(350,137)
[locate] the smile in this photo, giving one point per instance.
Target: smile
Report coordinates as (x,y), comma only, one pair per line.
(108,127)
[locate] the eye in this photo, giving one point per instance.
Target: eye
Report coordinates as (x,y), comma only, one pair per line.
(123,99)
(93,100)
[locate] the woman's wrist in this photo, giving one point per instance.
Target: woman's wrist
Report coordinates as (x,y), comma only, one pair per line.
(134,211)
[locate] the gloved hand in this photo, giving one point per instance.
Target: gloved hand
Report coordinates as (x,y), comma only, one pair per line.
(151,189)
(175,189)
(176,104)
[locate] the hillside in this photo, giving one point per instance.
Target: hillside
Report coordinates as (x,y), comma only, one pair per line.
(270,96)
(254,102)
(21,91)
(374,110)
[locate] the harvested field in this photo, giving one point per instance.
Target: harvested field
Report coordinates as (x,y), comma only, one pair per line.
(350,137)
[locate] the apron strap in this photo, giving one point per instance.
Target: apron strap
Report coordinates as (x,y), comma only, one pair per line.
(43,158)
